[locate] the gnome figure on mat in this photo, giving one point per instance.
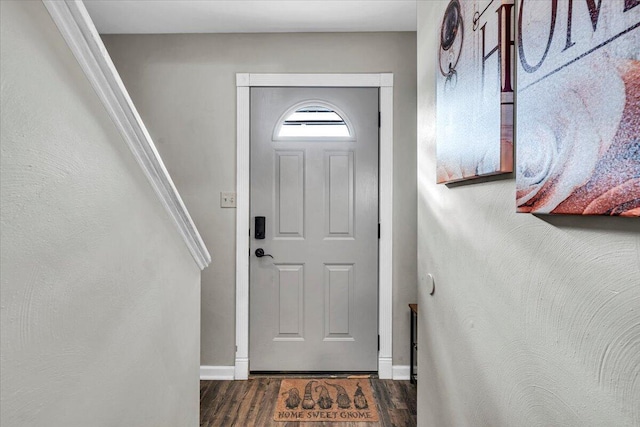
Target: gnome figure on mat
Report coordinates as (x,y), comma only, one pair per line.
(324,401)
(308,402)
(344,402)
(359,400)
(293,399)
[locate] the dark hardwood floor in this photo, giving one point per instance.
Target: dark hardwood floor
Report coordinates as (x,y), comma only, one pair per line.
(251,403)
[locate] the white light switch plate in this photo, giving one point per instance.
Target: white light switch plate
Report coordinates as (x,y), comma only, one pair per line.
(227,200)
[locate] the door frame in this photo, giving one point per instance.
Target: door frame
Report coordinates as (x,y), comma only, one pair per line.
(383,81)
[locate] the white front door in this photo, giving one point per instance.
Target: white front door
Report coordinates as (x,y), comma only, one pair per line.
(314,294)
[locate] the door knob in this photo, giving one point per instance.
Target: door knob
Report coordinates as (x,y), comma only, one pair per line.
(260,253)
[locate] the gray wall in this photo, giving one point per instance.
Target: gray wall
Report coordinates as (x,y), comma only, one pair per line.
(536,319)
(100,296)
(184,88)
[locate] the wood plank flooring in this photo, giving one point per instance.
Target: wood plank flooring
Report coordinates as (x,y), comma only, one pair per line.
(251,403)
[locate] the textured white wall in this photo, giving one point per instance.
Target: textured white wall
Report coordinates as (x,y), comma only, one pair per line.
(535,320)
(185,89)
(99,295)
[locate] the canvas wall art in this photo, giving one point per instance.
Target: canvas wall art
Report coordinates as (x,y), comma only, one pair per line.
(475,90)
(578,107)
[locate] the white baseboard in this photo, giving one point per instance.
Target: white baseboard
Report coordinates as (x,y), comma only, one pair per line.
(216,372)
(397,372)
(401,372)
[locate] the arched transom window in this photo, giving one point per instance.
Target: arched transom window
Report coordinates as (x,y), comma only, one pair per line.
(313,121)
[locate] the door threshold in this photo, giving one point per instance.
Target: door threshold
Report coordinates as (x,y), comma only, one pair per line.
(312,374)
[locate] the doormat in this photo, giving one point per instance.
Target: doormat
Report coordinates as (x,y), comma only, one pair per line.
(332,399)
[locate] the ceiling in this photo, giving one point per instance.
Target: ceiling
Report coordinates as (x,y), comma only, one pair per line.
(250,16)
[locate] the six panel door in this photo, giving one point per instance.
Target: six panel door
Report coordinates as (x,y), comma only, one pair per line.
(314,297)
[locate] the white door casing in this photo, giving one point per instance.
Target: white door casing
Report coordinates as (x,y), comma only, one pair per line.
(385,271)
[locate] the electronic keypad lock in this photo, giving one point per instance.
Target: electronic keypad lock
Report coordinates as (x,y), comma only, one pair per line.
(259,227)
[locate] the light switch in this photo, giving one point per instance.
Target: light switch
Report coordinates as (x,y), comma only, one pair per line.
(227,200)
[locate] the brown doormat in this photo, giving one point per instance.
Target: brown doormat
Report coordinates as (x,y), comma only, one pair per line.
(335,400)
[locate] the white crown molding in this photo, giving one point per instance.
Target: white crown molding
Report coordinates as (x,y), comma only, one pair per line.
(216,373)
(76,26)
